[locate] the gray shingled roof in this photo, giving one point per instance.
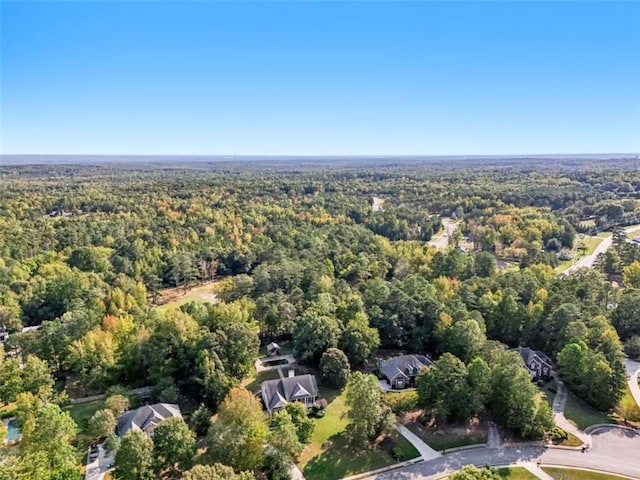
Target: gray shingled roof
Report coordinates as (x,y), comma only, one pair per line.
(277,393)
(528,354)
(147,416)
(404,366)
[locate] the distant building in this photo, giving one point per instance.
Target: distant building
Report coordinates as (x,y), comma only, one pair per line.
(30,329)
(401,371)
(538,364)
(146,418)
(4,335)
(276,394)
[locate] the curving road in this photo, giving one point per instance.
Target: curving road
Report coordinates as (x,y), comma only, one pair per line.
(450,227)
(614,450)
(588,260)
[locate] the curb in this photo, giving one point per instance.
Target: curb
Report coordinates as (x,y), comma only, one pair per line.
(447,451)
(388,468)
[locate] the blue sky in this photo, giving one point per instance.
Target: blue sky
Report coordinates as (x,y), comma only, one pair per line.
(293,78)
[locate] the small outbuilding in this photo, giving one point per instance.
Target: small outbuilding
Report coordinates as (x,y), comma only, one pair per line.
(273,349)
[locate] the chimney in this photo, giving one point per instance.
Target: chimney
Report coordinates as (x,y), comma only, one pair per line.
(292,373)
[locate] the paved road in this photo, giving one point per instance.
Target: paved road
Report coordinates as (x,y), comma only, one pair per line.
(614,450)
(633,369)
(97,469)
(588,260)
(450,228)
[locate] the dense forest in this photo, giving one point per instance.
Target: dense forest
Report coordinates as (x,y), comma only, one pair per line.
(337,258)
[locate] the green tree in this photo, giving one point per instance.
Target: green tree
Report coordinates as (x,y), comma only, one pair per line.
(201,419)
(217,471)
(118,404)
(134,458)
(37,377)
(358,340)
(102,423)
(334,367)
(284,435)
(11,382)
(174,445)
(513,400)
(238,435)
(471,472)
(366,408)
(631,275)
(299,417)
(313,335)
(45,451)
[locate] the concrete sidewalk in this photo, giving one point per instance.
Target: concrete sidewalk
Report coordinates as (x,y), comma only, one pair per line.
(426,452)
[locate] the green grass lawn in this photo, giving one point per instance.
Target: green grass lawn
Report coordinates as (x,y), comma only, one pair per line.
(81,413)
(516,473)
(176,297)
(583,415)
(447,437)
(571,474)
(254,380)
(329,456)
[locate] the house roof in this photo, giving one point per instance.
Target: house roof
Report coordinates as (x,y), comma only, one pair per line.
(529,355)
(144,417)
(404,366)
(277,393)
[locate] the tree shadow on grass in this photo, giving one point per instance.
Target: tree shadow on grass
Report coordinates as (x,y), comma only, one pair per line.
(340,459)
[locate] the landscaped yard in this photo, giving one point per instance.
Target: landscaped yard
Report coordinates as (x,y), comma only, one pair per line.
(441,438)
(516,473)
(571,474)
(583,415)
(328,456)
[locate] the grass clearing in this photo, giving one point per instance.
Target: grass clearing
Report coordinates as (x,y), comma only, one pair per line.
(176,296)
(583,415)
(329,456)
(255,379)
(81,413)
(449,436)
(573,474)
(516,473)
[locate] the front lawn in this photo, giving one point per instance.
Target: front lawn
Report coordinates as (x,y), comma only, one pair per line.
(583,415)
(450,436)
(329,456)
(516,473)
(571,474)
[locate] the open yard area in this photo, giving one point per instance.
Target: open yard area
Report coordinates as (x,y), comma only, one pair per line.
(516,473)
(329,457)
(571,474)
(583,415)
(450,436)
(81,413)
(177,296)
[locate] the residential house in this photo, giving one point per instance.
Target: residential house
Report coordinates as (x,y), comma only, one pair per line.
(276,394)
(401,371)
(538,364)
(146,418)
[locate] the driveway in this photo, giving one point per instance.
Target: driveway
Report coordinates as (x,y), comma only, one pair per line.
(97,469)
(633,369)
(559,419)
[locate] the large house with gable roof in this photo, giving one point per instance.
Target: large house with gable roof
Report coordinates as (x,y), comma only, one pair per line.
(146,418)
(401,371)
(276,394)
